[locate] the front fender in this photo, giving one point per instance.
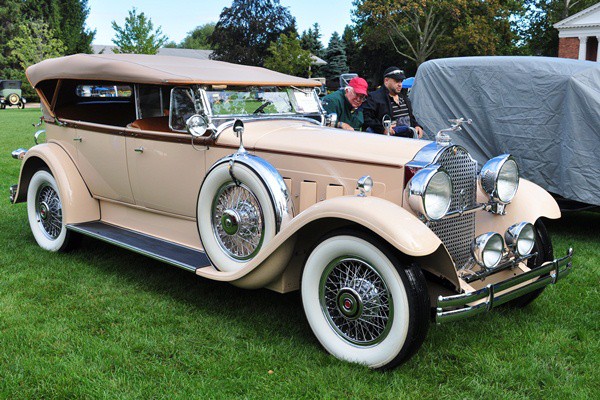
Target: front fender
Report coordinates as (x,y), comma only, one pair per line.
(530,203)
(391,222)
(77,202)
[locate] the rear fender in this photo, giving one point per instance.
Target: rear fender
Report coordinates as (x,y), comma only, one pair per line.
(77,202)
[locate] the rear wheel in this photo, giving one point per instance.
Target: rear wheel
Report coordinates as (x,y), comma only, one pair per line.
(362,304)
(543,246)
(44,210)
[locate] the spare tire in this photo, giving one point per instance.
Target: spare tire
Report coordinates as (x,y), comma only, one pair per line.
(236,217)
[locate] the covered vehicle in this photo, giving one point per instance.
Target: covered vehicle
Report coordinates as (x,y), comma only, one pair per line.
(543,111)
(232,173)
(10,94)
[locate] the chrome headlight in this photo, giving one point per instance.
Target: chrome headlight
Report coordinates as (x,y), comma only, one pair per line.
(520,238)
(430,192)
(499,178)
(487,249)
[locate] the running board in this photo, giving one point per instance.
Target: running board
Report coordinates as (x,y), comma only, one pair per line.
(159,249)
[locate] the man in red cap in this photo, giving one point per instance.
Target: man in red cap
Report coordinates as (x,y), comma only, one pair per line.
(346,104)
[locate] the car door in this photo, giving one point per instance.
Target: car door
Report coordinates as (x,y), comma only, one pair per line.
(166,172)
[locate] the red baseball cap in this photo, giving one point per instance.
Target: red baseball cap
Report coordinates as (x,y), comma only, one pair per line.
(359,85)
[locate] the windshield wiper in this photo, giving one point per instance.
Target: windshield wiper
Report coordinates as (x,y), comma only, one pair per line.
(261,108)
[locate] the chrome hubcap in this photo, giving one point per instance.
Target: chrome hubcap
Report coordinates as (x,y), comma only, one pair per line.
(356,301)
(49,212)
(238,221)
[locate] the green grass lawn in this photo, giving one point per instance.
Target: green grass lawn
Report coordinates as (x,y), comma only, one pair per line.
(101,322)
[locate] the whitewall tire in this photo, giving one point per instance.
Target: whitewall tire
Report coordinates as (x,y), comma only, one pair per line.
(361,303)
(235,218)
(44,210)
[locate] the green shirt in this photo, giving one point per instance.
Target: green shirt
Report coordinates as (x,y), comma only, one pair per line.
(337,102)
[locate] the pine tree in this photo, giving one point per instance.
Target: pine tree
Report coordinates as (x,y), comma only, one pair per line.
(335,55)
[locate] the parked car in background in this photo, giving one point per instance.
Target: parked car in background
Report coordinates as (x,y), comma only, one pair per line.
(231,173)
(10,94)
(544,111)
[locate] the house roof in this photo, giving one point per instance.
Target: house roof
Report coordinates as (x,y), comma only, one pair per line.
(156,69)
(588,18)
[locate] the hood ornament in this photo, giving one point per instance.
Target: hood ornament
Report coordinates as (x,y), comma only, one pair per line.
(443,139)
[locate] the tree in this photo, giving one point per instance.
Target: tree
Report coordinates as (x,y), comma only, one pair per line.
(34,43)
(138,35)
(287,56)
(246,29)
(335,55)
(537,20)
(310,40)
(65,19)
(352,49)
(199,37)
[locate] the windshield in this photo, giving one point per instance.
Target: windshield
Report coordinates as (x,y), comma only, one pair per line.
(264,100)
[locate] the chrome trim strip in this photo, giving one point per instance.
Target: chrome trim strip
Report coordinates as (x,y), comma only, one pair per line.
(558,267)
(138,250)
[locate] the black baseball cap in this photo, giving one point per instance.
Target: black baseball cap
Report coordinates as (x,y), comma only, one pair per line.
(394,73)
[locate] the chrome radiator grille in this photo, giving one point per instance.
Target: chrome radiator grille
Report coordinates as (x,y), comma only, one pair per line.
(458,232)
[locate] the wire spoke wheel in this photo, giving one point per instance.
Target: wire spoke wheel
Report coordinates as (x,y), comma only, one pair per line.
(48,210)
(356,301)
(238,221)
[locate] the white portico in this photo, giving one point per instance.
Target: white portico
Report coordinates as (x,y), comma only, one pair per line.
(579,35)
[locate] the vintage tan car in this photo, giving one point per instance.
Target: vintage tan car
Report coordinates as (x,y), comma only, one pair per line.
(230,172)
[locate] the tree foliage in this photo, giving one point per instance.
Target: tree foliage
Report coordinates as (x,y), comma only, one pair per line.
(199,37)
(287,56)
(138,35)
(246,29)
(310,40)
(537,20)
(335,55)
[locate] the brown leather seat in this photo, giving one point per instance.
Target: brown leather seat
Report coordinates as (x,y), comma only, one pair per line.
(160,124)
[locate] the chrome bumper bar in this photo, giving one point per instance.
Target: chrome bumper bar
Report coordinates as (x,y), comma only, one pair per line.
(447,305)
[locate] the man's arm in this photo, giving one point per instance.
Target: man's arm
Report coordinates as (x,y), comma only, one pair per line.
(370,115)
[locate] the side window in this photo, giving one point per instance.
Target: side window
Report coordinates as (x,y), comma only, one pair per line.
(150,102)
(182,108)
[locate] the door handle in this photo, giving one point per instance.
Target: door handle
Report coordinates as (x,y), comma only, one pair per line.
(139,150)
(78,139)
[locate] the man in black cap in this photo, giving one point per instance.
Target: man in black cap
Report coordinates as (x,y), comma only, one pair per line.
(389,100)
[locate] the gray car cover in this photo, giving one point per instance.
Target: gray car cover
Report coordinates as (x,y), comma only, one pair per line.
(544,111)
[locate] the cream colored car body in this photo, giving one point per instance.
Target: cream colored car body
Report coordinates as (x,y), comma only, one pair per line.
(143,179)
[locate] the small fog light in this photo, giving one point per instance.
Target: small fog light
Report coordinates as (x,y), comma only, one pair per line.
(487,249)
(520,238)
(364,185)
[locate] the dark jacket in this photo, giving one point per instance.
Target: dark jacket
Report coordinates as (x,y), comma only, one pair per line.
(378,105)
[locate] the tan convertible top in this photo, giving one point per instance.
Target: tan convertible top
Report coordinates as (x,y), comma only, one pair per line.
(138,68)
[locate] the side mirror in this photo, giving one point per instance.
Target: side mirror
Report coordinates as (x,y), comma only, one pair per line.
(238,129)
(331,119)
(387,123)
(197,125)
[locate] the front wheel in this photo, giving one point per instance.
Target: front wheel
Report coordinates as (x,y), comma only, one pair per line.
(362,304)
(44,210)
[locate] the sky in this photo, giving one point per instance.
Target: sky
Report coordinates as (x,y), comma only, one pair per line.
(177,17)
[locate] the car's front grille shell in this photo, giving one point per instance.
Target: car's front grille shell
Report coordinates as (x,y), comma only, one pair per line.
(457,233)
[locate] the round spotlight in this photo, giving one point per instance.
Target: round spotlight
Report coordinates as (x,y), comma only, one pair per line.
(520,238)
(364,185)
(487,249)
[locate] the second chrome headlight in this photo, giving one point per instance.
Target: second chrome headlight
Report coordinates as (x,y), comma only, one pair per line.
(430,192)
(499,178)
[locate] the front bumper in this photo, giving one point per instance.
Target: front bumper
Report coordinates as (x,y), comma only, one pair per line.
(452,308)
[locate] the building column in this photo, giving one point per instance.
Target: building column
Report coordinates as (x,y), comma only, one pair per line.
(598,50)
(582,47)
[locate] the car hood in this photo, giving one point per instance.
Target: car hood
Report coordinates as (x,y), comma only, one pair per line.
(303,138)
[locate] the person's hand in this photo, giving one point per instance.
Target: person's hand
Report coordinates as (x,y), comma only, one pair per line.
(345,126)
(419,131)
